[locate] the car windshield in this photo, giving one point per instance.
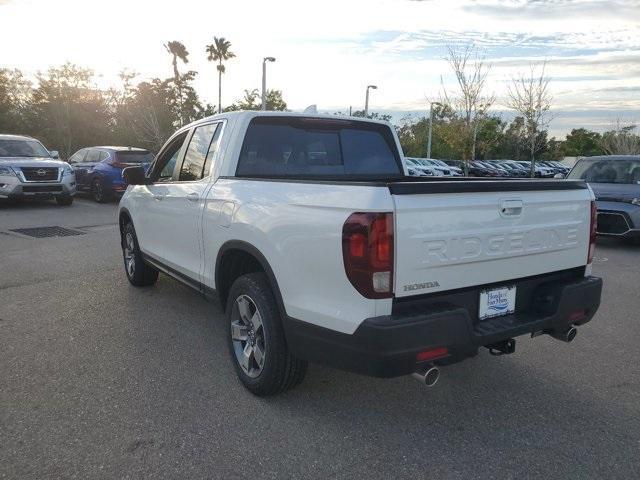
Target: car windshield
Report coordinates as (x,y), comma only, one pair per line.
(600,170)
(22,148)
(135,156)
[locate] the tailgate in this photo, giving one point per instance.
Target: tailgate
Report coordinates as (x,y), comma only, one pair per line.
(477,233)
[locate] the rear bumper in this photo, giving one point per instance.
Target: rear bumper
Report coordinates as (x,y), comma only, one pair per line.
(387,346)
(618,219)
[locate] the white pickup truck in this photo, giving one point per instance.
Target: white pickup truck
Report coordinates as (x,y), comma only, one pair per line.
(321,249)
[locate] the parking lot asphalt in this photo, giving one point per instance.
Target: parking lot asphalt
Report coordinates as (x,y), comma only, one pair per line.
(99,379)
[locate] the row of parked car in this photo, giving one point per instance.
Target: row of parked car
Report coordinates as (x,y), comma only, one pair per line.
(28,169)
(429,167)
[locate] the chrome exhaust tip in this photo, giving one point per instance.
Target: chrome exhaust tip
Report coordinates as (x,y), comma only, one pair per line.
(428,377)
(566,335)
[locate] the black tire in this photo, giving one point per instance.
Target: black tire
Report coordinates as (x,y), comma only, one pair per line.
(281,371)
(138,273)
(64,200)
(99,192)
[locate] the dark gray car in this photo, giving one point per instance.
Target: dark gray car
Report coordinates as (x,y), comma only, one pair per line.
(615,181)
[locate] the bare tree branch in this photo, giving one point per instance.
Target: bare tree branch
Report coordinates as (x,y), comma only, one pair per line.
(469,102)
(529,95)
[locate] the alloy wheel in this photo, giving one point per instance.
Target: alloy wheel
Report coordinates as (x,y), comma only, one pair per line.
(247,333)
(97,191)
(129,252)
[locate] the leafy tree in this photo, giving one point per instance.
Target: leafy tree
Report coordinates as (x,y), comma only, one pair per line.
(372,115)
(582,142)
(490,136)
(413,136)
(67,111)
(220,51)
(621,140)
(554,150)
(147,114)
(15,96)
(253,101)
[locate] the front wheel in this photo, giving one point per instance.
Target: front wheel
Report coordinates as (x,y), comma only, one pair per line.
(138,273)
(257,344)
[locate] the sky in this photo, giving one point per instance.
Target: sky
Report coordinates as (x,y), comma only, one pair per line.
(328,51)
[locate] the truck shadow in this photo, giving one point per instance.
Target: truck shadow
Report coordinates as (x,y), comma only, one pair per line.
(507,416)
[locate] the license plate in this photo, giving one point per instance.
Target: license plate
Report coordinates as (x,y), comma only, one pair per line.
(497,301)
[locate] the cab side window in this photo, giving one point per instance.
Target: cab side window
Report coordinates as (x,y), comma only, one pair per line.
(193,166)
(165,163)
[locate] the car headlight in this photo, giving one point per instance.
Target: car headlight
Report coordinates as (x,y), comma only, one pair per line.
(635,201)
(66,171)
(7,171)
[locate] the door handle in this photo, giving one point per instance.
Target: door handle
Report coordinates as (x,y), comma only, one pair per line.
(193,197)
(158,197)
(511,208)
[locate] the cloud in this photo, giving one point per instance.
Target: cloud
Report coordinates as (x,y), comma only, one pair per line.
(537,10)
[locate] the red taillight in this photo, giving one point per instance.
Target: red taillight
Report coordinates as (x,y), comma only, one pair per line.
(367,251)
(592,232)
(432,354)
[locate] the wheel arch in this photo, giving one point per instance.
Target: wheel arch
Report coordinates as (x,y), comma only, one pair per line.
(238,250)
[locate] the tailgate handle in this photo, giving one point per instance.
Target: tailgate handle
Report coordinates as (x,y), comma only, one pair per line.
(511,208)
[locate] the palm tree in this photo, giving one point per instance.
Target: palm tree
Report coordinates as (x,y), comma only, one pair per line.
(178,51)
(219,52)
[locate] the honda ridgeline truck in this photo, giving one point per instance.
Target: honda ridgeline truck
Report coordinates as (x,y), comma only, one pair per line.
(322,249)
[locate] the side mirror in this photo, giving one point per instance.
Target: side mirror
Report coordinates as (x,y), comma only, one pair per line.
(54,154)
(135,176)
(558,175)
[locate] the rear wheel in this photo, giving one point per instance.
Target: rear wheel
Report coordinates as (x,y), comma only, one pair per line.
(64,200)
(138,273)
(256,339)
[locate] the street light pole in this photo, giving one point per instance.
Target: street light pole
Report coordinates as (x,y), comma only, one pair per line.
(366,100)
(264,80)
(431,104)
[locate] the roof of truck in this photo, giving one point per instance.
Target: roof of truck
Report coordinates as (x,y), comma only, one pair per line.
(270,113)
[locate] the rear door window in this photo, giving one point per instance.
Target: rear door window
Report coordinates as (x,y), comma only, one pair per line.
(93,156)
(299,147)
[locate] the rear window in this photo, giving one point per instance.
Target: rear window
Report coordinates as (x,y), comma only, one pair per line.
(292,147)
(602,170)
(134,157)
